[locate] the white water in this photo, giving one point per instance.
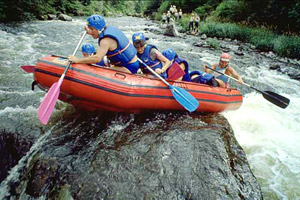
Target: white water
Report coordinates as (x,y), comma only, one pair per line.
(270,137)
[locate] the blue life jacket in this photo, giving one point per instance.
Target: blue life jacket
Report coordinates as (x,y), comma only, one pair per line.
(146,58)
(186,76)
(125,51)
(204,77)
(101,63)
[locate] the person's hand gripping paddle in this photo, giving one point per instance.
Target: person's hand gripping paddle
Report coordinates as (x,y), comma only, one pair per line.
(47,106)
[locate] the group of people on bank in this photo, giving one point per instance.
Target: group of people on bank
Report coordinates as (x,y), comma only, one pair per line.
(117,52)
(172,13)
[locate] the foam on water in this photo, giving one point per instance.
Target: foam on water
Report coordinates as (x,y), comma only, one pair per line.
(271,138)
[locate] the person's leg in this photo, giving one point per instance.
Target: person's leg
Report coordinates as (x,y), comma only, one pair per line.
(213,83)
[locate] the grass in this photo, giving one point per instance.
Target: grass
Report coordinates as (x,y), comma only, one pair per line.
(262,39)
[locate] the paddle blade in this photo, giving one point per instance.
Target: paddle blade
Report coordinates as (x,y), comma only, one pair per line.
(276,99)
(28,68)
(175,72)
(47,106)
(184,98)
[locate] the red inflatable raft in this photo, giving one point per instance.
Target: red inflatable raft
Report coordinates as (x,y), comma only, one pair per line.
(99,88)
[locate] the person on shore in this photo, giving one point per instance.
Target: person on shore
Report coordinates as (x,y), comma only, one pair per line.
(191,23)
(112,43)
(150,55)
(223,67)
(197,19)
(176,15)
(89,50)
(168,17)
(164,18)
(171,9)
(180,13)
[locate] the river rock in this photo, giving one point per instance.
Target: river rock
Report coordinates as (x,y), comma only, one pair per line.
(51,16)
(64,17)
(203,37)
(158,156)
(171,30)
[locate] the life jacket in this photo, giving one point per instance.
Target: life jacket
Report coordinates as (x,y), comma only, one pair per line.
(224,78)
(146,58)
(125,51)
(204,77)
(186,76)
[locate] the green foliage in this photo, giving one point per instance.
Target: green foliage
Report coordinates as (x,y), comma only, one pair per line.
(213,43)
(164,7)
(262,39)
(184,22)
(203,11)
(282,16)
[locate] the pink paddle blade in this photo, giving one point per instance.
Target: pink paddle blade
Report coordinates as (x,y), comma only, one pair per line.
(175,72)
(47,106)
(28,68)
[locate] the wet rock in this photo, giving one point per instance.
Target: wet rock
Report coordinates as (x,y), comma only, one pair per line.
(158,156)
(295,76)
(239,53)
(171,30)
(51,17)
(199,44)
(64,17)
(203,37)
(12,149)
(275,67)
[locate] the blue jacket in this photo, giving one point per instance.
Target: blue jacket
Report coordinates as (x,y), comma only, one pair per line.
(125,51)
(146,58)
(204,77)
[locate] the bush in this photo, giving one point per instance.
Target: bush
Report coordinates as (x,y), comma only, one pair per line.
(184,22)
(262,39)
(213,43)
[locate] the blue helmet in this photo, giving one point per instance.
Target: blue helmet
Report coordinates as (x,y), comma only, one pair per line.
(88,49)
(169,54)
(96,21)
(138,37)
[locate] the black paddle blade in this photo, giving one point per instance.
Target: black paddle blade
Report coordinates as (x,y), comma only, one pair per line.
(276,99)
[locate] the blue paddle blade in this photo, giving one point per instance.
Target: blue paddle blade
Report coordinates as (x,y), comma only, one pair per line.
(184,98)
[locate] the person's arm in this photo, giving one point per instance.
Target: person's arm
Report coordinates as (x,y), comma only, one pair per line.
(162,58)
(205,69)
(101,52)
(236,75)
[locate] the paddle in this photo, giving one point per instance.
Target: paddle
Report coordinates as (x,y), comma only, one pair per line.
(181,95)
(28,68)
(274,98)
(47,106)
(175,72)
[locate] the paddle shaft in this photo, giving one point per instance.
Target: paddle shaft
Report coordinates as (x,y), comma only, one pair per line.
(75,51)
(236,80)
(274,98)
(153,72)
(47,106)
(181,95)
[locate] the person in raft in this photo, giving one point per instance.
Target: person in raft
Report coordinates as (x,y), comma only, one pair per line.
(194,76)
(223,67)
(173,57)
(150,55)
(112,43)
(89,50)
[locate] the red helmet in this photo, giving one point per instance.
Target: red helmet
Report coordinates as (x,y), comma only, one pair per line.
(225,57)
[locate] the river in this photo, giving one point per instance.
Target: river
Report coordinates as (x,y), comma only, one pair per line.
(268,134)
